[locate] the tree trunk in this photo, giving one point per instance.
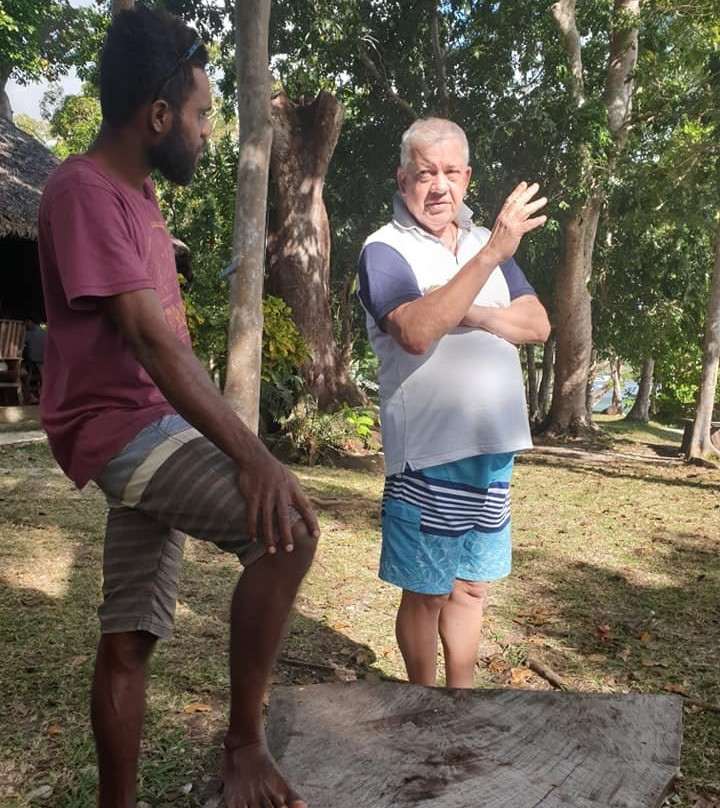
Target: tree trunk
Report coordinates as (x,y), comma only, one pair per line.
(532,385)
(121,5)
(6,112)
(242,387)
(304,139)
(548,375)
(640,410)
(616,407)
(569,412)
(701,446)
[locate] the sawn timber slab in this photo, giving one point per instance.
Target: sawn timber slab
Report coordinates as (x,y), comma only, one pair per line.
(390,745)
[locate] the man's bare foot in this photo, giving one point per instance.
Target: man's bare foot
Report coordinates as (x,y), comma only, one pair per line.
(251,779)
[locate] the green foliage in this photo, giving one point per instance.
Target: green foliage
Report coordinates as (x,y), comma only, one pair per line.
(283,347)
(37,129)
(75,124)
(283,352)
(310,436)
(40,39)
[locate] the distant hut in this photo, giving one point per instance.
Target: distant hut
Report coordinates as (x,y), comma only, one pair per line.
(25,165)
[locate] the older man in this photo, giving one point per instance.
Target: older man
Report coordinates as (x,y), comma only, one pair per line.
(446,304)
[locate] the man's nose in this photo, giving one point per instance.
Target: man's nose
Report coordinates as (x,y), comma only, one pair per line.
(441,183)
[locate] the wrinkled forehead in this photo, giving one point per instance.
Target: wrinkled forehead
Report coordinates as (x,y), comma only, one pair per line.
(438,148)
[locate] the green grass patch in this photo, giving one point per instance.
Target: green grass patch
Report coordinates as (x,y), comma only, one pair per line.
(616,586)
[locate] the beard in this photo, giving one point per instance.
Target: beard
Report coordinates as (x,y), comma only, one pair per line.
(172,157)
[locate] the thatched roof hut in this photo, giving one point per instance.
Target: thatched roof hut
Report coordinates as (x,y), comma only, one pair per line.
(24,168)
(25,165)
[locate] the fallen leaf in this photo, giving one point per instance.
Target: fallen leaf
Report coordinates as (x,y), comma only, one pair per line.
(651,663)
(519,676)
(644,637)
(604,632)
(54,729)
(597,658)
(197,707)
(676,688)
(497,664)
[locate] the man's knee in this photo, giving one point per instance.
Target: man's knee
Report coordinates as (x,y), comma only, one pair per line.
(421,602)
(304,543)
(470,591)
(127,651)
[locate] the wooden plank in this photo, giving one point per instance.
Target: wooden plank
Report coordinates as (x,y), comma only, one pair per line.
(391,744)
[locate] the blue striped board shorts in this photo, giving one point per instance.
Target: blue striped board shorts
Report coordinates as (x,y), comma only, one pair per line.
(447,522)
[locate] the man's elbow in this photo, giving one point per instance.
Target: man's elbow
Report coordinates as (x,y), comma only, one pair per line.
(543,331)
(413,345)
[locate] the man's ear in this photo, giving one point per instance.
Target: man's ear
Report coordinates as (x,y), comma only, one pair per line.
(400,177)
(160,117)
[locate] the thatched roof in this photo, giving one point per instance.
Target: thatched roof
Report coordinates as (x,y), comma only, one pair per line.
(25,165)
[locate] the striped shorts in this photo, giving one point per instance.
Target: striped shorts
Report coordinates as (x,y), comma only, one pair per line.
(447,522)
(168,481)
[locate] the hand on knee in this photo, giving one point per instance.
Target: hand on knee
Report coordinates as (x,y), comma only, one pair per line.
(304,542)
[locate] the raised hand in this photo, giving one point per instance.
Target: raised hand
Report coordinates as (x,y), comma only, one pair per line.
(515,220)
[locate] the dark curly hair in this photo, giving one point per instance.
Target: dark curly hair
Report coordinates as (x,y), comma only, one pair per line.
(147,54)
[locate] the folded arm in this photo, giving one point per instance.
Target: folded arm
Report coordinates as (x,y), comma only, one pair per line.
(523,321)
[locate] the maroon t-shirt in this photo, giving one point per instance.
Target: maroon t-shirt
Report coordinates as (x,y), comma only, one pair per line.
(99,237)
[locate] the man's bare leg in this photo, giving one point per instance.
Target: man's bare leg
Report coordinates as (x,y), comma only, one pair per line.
(460,627)
(416,629)
(260,609)
(117,710)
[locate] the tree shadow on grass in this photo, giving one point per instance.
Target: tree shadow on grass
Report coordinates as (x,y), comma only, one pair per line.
(622,630)
(621,470)
(49,592)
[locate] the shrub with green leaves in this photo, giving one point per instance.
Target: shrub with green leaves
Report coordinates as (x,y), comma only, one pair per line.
(283,352)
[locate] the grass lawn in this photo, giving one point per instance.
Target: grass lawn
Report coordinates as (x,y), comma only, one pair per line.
(616,588)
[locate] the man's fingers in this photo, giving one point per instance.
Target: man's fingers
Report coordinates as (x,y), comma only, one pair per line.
(531,224)
(535,205)
(268,517)
(305,510)
(284,529)
(252,516)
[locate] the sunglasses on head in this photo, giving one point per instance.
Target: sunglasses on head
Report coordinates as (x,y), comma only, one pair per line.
(180,62)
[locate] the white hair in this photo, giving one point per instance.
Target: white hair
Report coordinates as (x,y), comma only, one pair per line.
(431,130)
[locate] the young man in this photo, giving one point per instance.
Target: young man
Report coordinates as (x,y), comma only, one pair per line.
(126,403)
(445,302)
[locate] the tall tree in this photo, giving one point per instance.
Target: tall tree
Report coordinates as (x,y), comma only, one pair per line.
(242,386)
(304,138)
(573,322)
(37,40)
(640,410)
(701,446)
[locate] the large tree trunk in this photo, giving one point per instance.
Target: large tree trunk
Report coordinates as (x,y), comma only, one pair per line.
(121,5)
(304,139)
(701,447)
(242,386)
(569,413)
(640,410)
